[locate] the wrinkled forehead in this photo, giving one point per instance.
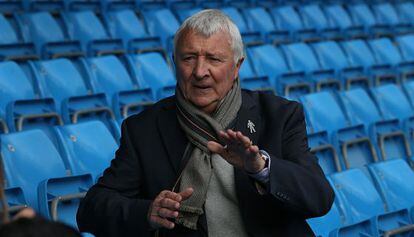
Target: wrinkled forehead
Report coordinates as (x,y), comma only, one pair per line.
(221,40)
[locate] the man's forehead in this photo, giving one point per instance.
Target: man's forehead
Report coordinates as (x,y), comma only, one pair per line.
(222,38)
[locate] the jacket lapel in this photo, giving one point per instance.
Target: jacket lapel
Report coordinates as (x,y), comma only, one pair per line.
(173,138)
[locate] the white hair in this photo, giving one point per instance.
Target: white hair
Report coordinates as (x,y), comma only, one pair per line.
(209,22)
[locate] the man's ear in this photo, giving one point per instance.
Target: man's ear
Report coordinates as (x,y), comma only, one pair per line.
(238,66)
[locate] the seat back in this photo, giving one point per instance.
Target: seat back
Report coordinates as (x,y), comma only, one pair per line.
(125,24)
(406,45)
(29,157)
(330,55)
(385,51)
(300,57)
(185,13)
(323,112)
(358,52)
(61,79)
(362,15)
(153,68)
(89,146)
(314,17)
(43,28)
(259,19)
(338,17)
(405,10)
(287,18)
(111,75)
(386,14)
(392,102)
(7,35)
(361,109)
(237,18)
(85,26)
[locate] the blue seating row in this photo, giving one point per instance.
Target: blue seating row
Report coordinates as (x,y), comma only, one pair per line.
(295,69)
(69,33)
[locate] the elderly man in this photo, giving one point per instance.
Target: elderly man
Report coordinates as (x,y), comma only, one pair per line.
(212,160)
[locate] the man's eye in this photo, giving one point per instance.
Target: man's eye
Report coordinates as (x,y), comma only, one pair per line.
(215,59)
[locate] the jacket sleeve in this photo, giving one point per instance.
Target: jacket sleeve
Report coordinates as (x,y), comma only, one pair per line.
(296,179)
(113,206)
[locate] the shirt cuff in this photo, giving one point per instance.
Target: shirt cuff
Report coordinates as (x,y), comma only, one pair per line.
(263,175)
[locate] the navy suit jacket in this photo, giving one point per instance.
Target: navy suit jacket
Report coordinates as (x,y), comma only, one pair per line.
(148,161)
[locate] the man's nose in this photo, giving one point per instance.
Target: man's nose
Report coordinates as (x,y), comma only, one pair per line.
(201,69)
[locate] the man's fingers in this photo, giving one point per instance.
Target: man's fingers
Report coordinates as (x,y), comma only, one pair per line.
(162,222)
(254,149)
(166,213)
(215,147)
(172,195)
(186,193)
(244,139)
(170,204)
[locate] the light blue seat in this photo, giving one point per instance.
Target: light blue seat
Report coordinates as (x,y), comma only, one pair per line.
(361,14)
(324,113)
(86,27)
(50,37)
(406,45)
(11,6)
(409,91)
(82,5)
(386,14)
(387,53)
(13,46)
(69,84)
(339,17)
(286,18)
(300,57)
(314,17)
(20,100)
(108,5)
(251,80)
(89,147)
(363,207)
(405,10)
(249,35)
(154,70)
(331,56)
(387,134)
(185,13)
(269,61)
(162,23)
(15,199)
(125,94)
(32,162)
(259,19)
(360,54)
(126,25)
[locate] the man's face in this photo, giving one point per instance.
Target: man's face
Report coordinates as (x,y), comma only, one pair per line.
(205,68)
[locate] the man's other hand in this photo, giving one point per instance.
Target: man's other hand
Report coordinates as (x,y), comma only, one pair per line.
(238,151)
(166,206)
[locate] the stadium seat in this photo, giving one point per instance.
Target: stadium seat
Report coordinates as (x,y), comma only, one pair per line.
(108,5)
(69,84)
(156,72)
(361,14)
(405,10)
(386,14)
(49,35)
(259,19)
(286,18)
(251,80)
(82,5)
(339,17)
(387,53)
(300,57)
(32,162)
(162,23)
(250,36)
(326,153)
(88,147)
(126,25)
(387,134)
(123,92)
(314,17)
(183,14)
(12,44)
(324,113)
(9,7)
(405,44)
(16,200)
(360,54)
(331,56)
(365,212)
(269,61)
(86,27)
(20,100)
(409,91)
